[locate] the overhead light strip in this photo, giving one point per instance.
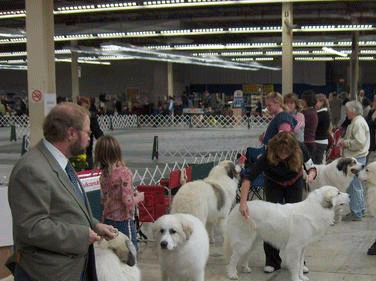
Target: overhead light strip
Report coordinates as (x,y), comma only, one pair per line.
(368,58)
(164,4)
(177,32)
(332,51)
(145,54)
(161,4)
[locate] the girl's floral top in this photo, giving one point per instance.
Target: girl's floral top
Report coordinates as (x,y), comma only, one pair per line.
(118,195)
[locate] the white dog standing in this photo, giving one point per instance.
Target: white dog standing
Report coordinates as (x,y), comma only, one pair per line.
(183,246)
(338,173)
(368,176)
(289,227)
(210,199)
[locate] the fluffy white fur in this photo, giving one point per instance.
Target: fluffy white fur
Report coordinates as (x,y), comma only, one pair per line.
(115,260)
(183,246)
(210,199)
(289,227)
(368,176)
(338,173)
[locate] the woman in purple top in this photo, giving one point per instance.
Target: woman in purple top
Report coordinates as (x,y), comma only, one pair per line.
(311,120)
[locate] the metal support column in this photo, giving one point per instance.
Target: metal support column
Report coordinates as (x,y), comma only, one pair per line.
(287,58)
(354,65)
(40,63)
(75,73)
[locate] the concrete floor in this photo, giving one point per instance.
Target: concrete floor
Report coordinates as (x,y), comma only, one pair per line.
(339,255)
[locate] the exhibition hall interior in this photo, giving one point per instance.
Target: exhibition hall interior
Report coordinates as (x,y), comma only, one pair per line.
(212,61)
(221,46)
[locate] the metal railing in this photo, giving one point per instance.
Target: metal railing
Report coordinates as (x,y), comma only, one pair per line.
(113,122)
(154,175)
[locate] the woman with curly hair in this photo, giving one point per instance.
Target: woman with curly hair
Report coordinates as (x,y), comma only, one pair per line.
(283,165)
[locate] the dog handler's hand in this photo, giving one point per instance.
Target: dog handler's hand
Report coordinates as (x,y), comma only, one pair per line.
(93,237)
(244,189)
(243,208)
(108,232)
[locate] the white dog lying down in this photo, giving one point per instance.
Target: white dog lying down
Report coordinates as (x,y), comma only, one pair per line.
(368,176)
(210,199)
(115,260)
(338,173)
(183,246)
(289,227)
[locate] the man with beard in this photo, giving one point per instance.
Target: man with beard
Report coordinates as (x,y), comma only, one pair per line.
(53,228)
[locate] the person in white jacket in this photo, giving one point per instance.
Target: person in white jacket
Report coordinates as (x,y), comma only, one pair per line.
(356,144)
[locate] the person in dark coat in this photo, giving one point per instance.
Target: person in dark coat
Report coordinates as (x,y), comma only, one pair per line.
(96,131)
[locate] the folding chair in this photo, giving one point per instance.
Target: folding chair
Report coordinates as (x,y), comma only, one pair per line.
(155,205)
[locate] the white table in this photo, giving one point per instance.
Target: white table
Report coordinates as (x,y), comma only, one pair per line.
(6,236)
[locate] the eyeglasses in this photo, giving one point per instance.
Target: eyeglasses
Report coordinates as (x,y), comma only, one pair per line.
(82,130)
(87,132)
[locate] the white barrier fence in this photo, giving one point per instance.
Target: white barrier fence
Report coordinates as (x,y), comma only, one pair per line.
(113,122)
(191,149)
(20,124)
(153,176)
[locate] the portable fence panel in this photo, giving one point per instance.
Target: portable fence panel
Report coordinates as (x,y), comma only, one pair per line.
(114,122)
(196,144)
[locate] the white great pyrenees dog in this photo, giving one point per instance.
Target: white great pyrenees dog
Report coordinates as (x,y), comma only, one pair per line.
(115,260)
(368,176)
(209,199)
(289,227)
(338,173)
(183,247)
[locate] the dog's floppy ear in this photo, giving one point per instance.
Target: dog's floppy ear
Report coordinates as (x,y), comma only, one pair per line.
(343,164)
(231,170)
(156,228)
(327,200)
(187,229)
(123,248)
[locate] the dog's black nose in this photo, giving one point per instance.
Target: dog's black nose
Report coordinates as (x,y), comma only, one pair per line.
(164,245)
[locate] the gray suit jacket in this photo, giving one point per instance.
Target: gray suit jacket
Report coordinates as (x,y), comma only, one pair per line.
(50,223)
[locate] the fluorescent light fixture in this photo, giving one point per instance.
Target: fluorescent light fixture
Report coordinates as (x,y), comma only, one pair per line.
(336,28)
(332,51)
(12,67)
(369,58)
(314,59)
(84,61)
(153,55)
